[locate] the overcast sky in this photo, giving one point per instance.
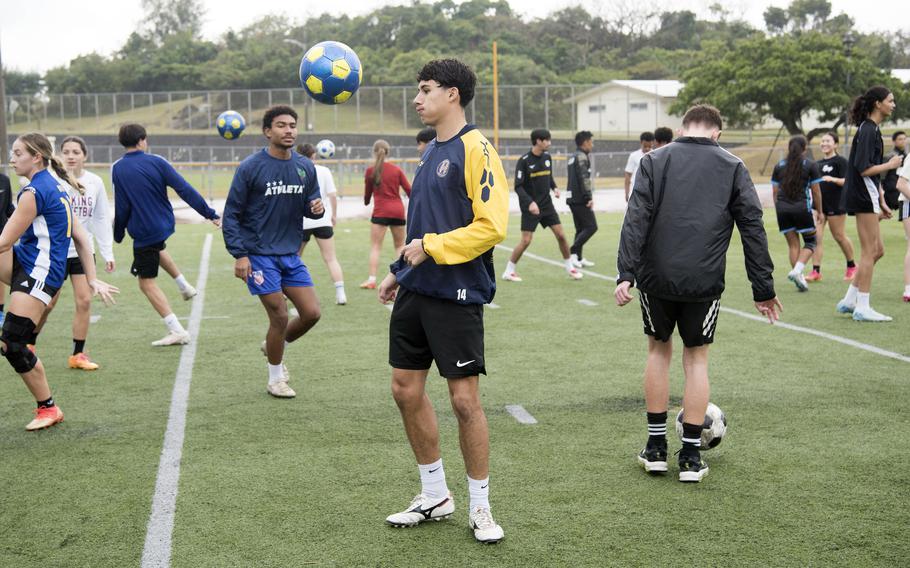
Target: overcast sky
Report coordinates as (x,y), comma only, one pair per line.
(62,29)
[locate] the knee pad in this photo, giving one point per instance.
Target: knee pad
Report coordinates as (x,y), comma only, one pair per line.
(15,334)
(810,241)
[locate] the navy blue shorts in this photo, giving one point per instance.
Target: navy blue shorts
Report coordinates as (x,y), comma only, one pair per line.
(271,273)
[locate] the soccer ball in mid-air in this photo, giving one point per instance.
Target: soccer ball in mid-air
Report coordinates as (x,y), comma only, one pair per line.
(713,429)
(230,124)
(325,148)
(330,72)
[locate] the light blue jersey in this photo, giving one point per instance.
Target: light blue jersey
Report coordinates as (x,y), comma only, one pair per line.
(43,247)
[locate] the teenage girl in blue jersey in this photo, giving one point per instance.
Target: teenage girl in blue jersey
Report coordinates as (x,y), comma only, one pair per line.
(44,226)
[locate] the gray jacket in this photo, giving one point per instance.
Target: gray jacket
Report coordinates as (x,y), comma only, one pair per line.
(679,222)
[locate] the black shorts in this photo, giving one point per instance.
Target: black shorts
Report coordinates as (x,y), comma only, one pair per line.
(696,320)
(832,202)
(22,282)
(794,219)
(74,266)
(146,259)
(547,218)
(903,210)
(862,199)
(424,329)
(319,233)
(387,221)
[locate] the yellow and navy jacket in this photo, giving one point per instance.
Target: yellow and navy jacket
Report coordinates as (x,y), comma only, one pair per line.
(460,208)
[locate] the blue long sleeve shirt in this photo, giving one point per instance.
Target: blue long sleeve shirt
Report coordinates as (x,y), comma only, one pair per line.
(141,206)
(268,200)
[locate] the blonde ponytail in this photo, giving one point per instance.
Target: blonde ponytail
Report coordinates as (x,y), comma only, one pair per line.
(381,150)
(37,144)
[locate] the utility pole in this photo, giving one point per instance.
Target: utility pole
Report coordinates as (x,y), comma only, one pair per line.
(4,151)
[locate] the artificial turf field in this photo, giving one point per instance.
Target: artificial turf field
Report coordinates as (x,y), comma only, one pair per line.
(814,471)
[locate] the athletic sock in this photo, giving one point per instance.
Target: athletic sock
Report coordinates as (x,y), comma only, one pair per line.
(657,428)
(433,480)
(850,298)
(181,282)
(851,264)
(817,268)
(49,403)
(78,346)
(1,308)
(371,279)
(339,284)
(479,491)
(173,324)
(862,301)
(510,267)
(568,263)
(574,258)
(276,373)
(691,437)
(907,290)
(799,267)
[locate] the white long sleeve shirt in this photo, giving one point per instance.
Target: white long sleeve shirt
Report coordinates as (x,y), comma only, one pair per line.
(94,213)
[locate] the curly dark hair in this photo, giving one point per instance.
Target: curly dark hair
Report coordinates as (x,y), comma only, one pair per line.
(451,73)
(274,112)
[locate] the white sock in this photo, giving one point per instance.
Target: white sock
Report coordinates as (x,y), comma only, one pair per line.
(573,258)
(907,290)
(510,267)
(173,324)
(568,263)
(371,279)
(276,374)
(339,284)
(479,489)
(799,267)
(181,282)
(862,301)
(433,480)
(850,298)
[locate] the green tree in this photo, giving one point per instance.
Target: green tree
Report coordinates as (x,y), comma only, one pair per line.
(168,17)
(21,83)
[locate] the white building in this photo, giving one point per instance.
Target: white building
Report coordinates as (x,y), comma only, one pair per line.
(628,107)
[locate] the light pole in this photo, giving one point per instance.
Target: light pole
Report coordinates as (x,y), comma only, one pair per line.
(848,40)
(302,46)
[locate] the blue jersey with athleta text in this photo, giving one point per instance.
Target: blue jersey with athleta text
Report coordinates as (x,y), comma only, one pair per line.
(460,209)
(268,200)
(43,246)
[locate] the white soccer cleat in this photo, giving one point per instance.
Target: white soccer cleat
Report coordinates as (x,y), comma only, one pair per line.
(574,274)
(173,338)
(485,528)
(868,314)
(586,263)
(844,308)
(281,389)
(188,292)
(797,278)
(511,276)
(421,510)
(574,260)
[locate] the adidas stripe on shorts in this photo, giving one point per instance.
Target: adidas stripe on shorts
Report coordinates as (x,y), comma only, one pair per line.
(696,320)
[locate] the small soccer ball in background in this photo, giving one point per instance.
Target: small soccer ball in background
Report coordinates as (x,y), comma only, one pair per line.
(230,124)
(330,72)
(713,429)
(325,149)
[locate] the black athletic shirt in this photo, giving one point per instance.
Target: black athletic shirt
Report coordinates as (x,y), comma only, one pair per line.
(808,175)
(835,166)
(534,180)
(866,151)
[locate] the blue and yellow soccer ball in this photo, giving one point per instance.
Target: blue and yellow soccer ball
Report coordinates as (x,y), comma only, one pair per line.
(330,72)
(230,124)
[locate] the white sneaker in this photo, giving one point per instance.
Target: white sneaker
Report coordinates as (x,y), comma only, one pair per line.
(485,528)
(797,278)
(511,276)
(422,509)
(844,308)
(575,274)
(281,389)
(868,314)
(574,260)
(340,297)
(173,338)
(586,263)
(188,292)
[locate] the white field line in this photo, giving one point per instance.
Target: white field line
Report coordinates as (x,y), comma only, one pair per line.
(586,302)
(519,413)
(157,550)
(492,306)
(754,317)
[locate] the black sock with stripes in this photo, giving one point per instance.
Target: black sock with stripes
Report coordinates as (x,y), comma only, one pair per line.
(691,438)
(817,268)
(657,428)
(46,403)
(78,346)
(851,264)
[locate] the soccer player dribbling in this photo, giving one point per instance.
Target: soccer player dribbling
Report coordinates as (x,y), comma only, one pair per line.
(457,213)
(686,199)
(272,191)
(43,224)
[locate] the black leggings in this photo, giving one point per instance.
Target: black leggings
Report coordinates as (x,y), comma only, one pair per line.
(585,227)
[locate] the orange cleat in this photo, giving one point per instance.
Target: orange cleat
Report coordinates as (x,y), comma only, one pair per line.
(81,361)
(814,276)
(850,273)
(369,285)
(45,418)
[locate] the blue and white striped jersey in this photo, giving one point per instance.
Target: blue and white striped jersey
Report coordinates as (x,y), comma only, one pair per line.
(43,247)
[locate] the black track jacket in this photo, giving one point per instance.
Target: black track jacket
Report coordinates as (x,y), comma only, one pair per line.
(678,225)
